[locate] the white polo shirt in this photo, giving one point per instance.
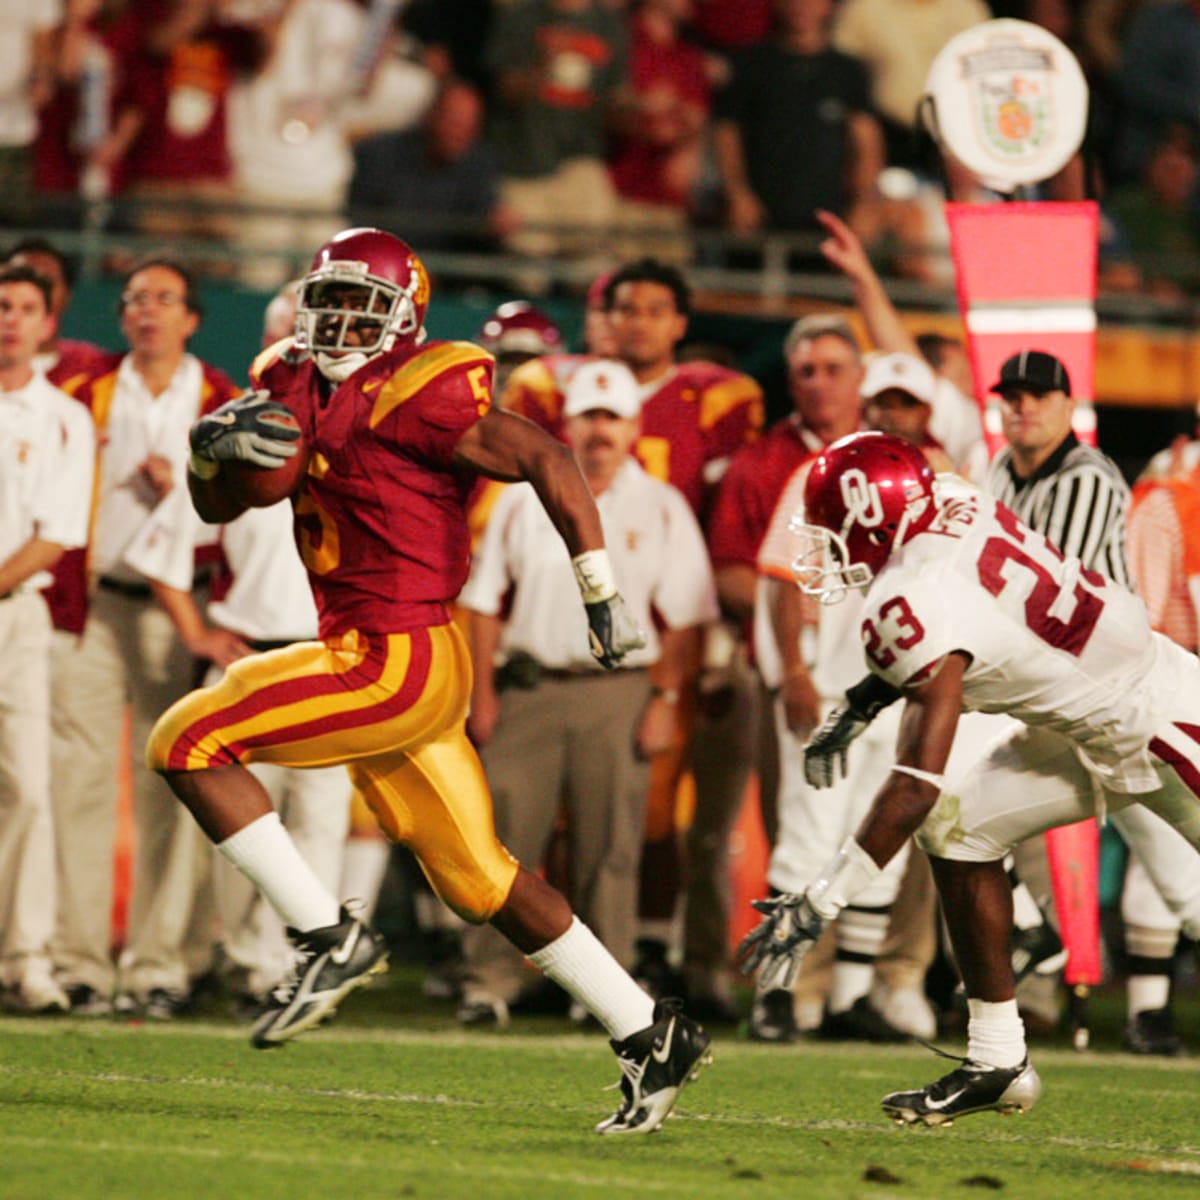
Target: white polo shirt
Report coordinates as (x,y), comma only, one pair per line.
(658,555)
(47,455)
(269,599)
(139,425)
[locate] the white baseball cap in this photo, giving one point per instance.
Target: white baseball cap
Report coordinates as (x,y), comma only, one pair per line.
(905,372)
(606,384)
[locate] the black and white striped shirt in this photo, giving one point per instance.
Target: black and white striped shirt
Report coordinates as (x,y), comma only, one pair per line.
(1077,498)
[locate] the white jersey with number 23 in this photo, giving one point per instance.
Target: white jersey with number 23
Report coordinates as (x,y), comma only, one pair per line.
(1050,642)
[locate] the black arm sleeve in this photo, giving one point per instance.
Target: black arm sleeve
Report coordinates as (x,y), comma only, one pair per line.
(870,696)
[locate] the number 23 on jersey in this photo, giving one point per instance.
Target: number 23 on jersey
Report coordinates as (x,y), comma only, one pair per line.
(1062,612)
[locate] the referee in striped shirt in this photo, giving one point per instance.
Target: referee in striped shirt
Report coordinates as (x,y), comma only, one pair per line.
(1071,493)
(1077,497)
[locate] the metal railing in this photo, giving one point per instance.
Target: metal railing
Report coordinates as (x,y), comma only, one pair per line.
(765,270)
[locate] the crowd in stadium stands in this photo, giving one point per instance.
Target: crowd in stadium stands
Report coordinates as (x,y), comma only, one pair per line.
(602,132)
(534,124)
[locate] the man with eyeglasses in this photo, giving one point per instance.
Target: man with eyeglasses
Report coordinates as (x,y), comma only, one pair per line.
(132,634)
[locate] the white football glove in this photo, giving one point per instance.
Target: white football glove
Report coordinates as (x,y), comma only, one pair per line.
(612,631)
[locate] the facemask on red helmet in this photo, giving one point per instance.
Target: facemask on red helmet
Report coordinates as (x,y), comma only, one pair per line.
(365,292)
(865,496)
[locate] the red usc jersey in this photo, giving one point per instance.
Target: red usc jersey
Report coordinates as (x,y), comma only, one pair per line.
(751,489)
(77,363)
(535,389)
(695,419)
(381,521)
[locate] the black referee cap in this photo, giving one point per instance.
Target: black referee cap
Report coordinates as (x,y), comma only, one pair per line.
(1034,370)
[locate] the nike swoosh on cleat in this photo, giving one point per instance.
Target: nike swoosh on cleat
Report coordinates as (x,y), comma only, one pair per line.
(341,955)
(938,1105)
(661,1054)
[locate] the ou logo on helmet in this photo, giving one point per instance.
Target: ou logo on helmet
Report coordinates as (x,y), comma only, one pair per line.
(860,495)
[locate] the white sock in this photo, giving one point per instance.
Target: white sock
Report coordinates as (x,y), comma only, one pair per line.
(364,864)
(850,981)
(1147,992)
(578,962)
(995,1033)
(265,853)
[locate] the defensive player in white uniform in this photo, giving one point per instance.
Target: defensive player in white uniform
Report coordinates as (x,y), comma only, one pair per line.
(968,609)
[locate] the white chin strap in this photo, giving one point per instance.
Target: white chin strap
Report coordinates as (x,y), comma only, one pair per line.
(338,368)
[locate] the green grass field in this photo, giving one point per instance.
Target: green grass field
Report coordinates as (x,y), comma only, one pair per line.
(393,1100)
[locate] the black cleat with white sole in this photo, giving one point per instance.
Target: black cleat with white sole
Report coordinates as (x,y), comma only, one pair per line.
(656,1063)
(330,963)
(973,1087)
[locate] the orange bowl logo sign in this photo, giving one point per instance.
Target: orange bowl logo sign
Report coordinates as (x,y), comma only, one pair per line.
(1008,100)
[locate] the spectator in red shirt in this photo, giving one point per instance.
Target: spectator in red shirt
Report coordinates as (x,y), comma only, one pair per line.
(182,78)
(658,157)
(87,128)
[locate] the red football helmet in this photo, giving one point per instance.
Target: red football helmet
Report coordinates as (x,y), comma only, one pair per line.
(518,329)
(365,291)
(865,496)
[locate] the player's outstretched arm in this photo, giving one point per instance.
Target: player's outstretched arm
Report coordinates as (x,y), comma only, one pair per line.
(507,447)
(793,922)
(927,730)
(843,249)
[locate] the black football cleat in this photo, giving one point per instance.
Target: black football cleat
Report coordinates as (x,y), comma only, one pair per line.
(330,963)
(1152,1031)
(656,1063)
(773,1017)
(973,1087)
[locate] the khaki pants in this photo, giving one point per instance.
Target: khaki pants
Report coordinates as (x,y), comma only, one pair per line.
(128,654)
(568,741)
(27,883)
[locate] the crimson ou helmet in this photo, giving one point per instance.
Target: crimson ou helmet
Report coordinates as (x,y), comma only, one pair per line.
(865,496)
(517,328)
(365,291)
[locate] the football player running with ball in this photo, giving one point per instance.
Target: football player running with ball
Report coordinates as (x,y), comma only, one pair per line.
(968,609)
(396,430)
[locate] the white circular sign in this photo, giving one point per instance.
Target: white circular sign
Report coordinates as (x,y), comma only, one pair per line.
(1008,100)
